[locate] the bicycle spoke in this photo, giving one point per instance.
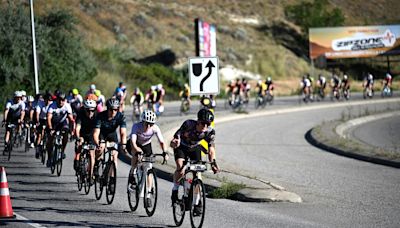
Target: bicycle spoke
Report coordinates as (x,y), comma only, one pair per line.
(197,203)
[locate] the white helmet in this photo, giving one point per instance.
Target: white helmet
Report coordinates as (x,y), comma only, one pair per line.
(23,93)
(159,86)
(345,76)
(89,104)
(17,94)
(148,116)
(30,99)
(153,88)
(93,86)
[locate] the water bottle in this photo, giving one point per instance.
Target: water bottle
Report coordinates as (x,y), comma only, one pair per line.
(187,183)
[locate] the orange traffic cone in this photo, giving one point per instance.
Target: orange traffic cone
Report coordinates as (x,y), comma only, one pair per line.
(6,210)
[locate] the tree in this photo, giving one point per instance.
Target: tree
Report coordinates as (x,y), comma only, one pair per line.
(314,14)
(64,62)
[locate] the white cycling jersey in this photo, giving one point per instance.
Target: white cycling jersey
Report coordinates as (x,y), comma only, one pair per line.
(15,108)
(59,114)
(42,109)
(142,137)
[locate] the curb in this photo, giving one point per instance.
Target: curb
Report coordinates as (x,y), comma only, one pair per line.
(314,140)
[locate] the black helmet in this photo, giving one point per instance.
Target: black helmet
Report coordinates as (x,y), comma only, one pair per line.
(112,103)
(205,115)
(61,96)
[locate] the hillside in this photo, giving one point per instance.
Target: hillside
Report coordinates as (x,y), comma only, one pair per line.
(251,35)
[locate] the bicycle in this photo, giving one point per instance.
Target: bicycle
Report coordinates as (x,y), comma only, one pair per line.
(83,174)
(136,112)
(191,194)
(57,159)
(386,91)
(12,140)
(185,106)
(29,135)
(144,189)
(260,101)
(42,148)
(106,173)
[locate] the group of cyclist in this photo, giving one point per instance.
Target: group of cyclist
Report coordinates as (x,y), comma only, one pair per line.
(85,119)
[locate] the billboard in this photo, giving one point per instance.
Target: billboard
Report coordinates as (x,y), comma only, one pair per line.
(354,42)
(206,39)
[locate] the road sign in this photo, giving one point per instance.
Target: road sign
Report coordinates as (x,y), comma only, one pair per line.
(203,75)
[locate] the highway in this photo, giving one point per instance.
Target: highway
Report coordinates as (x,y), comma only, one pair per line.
(336,191)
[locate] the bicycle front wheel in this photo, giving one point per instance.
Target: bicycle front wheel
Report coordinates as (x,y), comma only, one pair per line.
(133,195)
(179,207)
(86,174)
(98,179)
(59,161)
(111,182)
(150,191)
(197,198)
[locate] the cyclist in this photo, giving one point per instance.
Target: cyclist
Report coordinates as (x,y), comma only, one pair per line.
(75,101)
(245,90)
(151,97)
(345,84)
(92,89)
(85,123)
(59,117)
(270,86)
(105,128)
(101,100)
(369,82)
(305,87)
(159,105)
(137,100)
(14,113)
(186,144)
(229,90)
(185,93)
(120,95)
(321,85)
(41,118)
(387,81)
(335,84)
(141,135)
(29,111)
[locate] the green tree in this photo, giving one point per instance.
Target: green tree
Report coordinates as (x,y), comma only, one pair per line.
(319,13)
(64,62)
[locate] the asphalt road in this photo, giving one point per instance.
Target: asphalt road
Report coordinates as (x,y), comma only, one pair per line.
(337,191)
(384,133)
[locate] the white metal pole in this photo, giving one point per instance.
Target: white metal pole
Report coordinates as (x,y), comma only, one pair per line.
(34,49)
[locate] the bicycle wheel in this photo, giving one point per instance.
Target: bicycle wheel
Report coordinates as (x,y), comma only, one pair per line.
(27,144)
(111,182)
(133,194)
(54,160)
(59,161)
(178,208)
(10,144)
(98,179)
(86,174)
(150,193)
(79,181)
(197,202)
(42,154)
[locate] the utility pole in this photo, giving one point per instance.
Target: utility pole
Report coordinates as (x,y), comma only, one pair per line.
(34,48)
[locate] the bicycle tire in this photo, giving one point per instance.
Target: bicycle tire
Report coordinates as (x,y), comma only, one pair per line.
(42,154)
(86,174)
(98,181)
(179,207)
(59,161)
(133,196)
(53,159)
(153,193)
(111,182)
(197,220)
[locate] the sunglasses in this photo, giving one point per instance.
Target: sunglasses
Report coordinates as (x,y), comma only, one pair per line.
(149,124)
(204,123)
(116,110)
(90,110)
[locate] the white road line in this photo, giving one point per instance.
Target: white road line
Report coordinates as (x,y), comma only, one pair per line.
(29,222)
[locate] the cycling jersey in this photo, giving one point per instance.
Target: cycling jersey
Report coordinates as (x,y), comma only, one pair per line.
(190,137)
(14,110)
(76,103)
(159,93)
(137,98)
(142,137)
(108,127)
(269,85)
(59,115)
(87,123)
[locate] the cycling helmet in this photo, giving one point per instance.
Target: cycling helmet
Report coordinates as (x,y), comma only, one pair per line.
(148,116)
(61,96)
(153,88)
(17,94)
(89,104)
(269,79)
(97,93)
(345,77)
(91,96)
(205,115)
(159,86)
(137,90)
(23,93)
(30,99)
(93,86)
(75,91)
(112,104)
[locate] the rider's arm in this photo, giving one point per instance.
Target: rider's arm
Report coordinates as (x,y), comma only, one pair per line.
(96,134)
(5,113)
(122,131)
(160,138)
(49,117)
(22,112)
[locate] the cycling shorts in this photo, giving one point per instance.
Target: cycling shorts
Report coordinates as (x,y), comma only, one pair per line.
(185,152)
(88,138)
(42,124)
(147,149)
(112,137)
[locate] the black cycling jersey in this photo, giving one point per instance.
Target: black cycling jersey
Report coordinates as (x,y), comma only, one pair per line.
(87,124)
(190,137)
(109,126)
